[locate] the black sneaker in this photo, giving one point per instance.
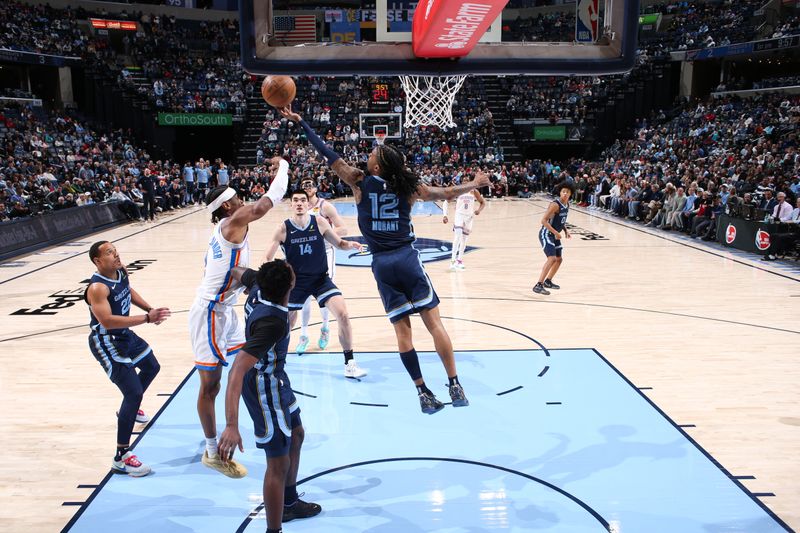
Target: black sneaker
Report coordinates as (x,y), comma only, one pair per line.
(300,509)
(458,396)
(429,403)
(548,284)
(539,289)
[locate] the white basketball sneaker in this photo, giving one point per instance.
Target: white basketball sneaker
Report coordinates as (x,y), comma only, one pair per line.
(352,370)
(131,465)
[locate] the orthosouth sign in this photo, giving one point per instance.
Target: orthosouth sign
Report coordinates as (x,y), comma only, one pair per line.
(195,119)
(430,250)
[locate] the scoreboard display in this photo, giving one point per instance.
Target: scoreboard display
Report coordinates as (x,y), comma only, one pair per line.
(380,94)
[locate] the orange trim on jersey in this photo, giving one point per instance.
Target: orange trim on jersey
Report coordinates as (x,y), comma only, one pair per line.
(230,278)
(203,364)
(214,337)
(237,347)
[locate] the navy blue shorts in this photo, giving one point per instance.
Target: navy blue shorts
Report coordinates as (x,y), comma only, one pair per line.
(322,289)
(111,350)
(550,245)
(404,286)
(273,408)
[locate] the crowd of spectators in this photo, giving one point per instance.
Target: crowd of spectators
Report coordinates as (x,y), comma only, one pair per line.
(53,161)
(708,24)
(332,107)
(183,66)
(777,81)
(40,29)
(713,156)
(544,27)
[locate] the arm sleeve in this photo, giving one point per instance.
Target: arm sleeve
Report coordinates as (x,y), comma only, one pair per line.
(249,278)
(263,335)
(319,144)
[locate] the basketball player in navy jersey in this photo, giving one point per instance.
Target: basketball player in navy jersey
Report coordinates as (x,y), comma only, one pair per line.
(259,368)
(119,350)
(319,207)
(384,199)
(554,222)
(303,238)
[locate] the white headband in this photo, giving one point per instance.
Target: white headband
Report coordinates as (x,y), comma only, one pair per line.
(226,195)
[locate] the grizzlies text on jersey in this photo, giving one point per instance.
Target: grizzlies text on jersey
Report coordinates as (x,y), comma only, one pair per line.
(305,249)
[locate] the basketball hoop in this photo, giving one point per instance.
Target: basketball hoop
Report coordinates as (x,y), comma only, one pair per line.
(380,138)
(429,99)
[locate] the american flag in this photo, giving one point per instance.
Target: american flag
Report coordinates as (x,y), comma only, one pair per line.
(296,29)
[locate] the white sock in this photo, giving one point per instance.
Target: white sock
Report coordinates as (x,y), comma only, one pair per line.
(306,318)
(456,243)
(325,317)
(462,247)
(211,446)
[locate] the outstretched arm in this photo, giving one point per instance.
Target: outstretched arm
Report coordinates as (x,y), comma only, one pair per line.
(230,438)
(278,236)
(332,237)
(250,213)
(97,297)
(427,192)
(548,215)
(481,201)
(348,174)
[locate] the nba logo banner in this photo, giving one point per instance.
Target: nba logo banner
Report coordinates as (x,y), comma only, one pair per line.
(586,21)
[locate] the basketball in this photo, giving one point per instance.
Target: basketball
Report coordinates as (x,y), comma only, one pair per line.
(278,91)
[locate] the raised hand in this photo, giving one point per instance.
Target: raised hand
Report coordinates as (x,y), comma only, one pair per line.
(481,180)
(288,113)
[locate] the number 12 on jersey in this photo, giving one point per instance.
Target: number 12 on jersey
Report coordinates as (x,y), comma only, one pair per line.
(384,207)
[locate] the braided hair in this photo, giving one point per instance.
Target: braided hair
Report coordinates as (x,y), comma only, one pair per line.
(402,180)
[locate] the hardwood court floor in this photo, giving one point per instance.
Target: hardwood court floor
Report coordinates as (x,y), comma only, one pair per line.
(712,337)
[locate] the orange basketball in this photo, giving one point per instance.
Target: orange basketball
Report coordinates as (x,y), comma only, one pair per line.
(278,91)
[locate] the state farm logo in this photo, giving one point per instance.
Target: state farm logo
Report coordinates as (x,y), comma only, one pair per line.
(730,234)
(762,240)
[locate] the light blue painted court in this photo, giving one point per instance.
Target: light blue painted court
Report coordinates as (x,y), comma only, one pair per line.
(554,441)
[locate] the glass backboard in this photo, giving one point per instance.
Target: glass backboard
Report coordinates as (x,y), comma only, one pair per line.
(358,37)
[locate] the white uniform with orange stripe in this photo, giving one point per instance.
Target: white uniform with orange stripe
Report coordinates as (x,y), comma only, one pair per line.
(316,210)
(214,327)
(465,212)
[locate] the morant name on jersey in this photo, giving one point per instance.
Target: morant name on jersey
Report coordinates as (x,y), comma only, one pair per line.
(385,225)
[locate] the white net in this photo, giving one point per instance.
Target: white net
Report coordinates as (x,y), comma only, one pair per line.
(429,99)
